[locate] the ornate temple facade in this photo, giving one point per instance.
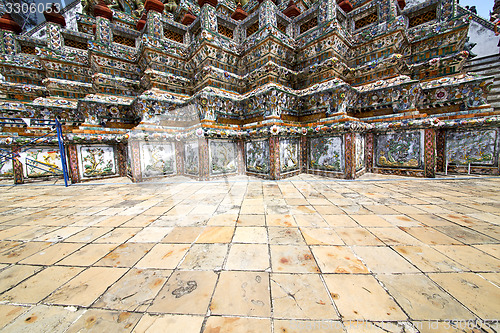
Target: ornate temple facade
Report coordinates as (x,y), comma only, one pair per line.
(263,88)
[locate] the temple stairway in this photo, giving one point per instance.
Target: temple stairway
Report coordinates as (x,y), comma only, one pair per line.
(488,66)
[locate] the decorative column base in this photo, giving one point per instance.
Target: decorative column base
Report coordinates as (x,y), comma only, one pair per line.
(179,157)
(135,161)
(73,164)
(303,154)
(204,159)
(122,159)
(240,146)
(274,155)
(17,167)
(440,150)
(430,152)
(350,156)
(369,151)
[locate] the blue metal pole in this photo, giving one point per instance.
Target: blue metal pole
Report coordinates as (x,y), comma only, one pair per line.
(62,152)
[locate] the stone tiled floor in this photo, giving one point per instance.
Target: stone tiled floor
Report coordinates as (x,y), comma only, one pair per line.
(245,255)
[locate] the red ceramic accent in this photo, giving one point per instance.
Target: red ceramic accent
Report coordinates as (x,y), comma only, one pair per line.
(291,10)
(142,22)
(402,4)
(154,5)
(239,14)
(212,3)
(188,18)
(54,17)
(345,5)
(8,23)
(102,10)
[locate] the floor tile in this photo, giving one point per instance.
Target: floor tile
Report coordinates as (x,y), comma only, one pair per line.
(431,220)
(370,221)
(205,257)
(43,318)
(88,235)
(335,221)
(228,220)
(452,326)
(87,255)
(310,326)
(422,299)
(491,249)
(216,235)
(251,257)
(221,324)
(300,296)
(292,259)
(39,286)
(401,220)
(250,235)
(186,235)
(125,255)
(321,236)
(175,323)
(117,236)
(280,220)
(468,289)
(139,221)
(194,256)
(466,235)
(242,294)
(362,326)
(186,292)
(428,259)
(13,275)
(134,291)
(163,256)
(84,289)
(430,236)
(384,260)
(251,220)
(59,234)
(10,312)
(354,296)
(470,257)
(21,251)
(358,236)
(310,220)
(338,259)
(394,236)
(52,254)
(463,220)
(105,321)
(150,235)
(282,236)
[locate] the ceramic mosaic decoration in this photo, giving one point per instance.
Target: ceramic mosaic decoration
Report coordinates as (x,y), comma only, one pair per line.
(289,155)
(222,157)
(467,147)
(41,162)
(326,154)
(192,160)
(337,88)
(97,161)
(360,151)
(257,156)
(6,168)
(157,159)
(399,149)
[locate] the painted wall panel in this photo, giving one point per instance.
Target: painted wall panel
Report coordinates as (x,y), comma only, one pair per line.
(326,154)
